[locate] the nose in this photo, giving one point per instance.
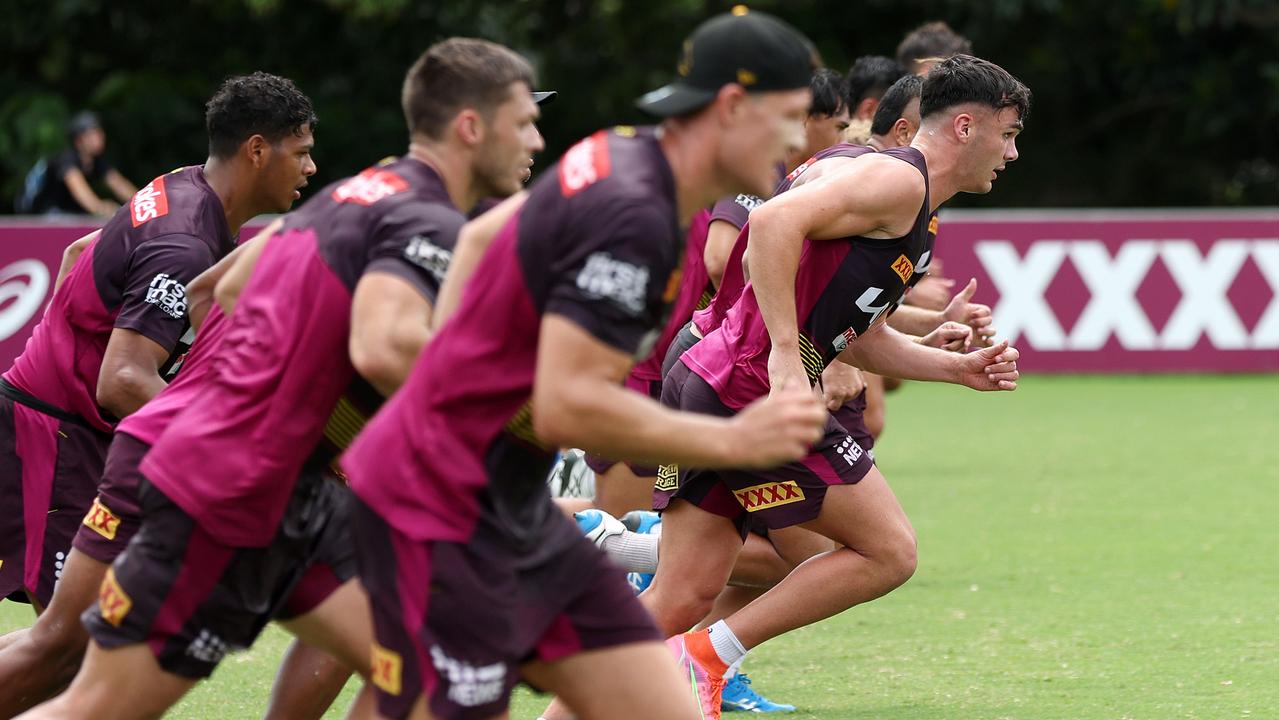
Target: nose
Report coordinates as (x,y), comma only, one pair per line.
(308,167)
(538,142)
(1011,154)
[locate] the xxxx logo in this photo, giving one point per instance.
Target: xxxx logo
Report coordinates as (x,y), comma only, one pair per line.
(904,268)
(387,669)
(667,478)
(762,497)
(113,603)
(101,520)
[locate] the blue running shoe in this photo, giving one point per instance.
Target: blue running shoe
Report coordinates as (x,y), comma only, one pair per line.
(739,696)
(598,526)
(643,522)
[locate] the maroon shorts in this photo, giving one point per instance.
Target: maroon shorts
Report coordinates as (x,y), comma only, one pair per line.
(114,518)
(192,599)
(780,497)
(599,464)
(457,620)
(49,471)
(852,417)
(684,340)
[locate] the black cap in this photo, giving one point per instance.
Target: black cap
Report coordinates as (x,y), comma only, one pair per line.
(544,97)
(752,49)
(82,122)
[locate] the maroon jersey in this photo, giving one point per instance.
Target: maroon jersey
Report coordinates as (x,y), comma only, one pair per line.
(132,276)
(596,243)
(231,459)
(842,288)
(695,293)
(736,211)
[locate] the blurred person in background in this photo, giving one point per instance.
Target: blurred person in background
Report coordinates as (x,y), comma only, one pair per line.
(868,79)
(929,44)
(67,183)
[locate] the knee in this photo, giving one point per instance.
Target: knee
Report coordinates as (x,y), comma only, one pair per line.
(679,606)
(901,557)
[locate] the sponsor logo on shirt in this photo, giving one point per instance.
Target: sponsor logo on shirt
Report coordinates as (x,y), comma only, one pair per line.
(932,226)
(169,295)
(470,685)
(903,267)
(207,647)
(604,276)
(584,164)
(762,497)
(427,255)
(667,478)
(750,202)
(113,603)
(388,667)
(101,520)
(369,187)
(850,451)
(843,339)
(149,203)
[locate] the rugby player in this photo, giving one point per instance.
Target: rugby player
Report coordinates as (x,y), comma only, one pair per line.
(344,286)
(476,579)
(841,251)
(929,44)
(114,328)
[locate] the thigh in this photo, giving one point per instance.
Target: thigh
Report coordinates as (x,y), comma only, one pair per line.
(865,517)
(596,683)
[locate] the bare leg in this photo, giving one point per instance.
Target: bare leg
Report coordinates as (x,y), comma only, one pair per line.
(341,626)
(598,682)
(697,555)
(365,708)
(620,491)
(877,557)
(110,676)
(875,413)
(308,682)
(45,659)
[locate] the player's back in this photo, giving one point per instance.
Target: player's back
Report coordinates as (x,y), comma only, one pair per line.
(137,267)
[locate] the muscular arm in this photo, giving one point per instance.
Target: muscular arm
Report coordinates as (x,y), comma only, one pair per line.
(720,238)
(130,373)
(390,324)
(914,320)
(578,401)
(875,196)
(200,291)
(237,268)
(120,185)
(70,255)
(472,242)
(885,351)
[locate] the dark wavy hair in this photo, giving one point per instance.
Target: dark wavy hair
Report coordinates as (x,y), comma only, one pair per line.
(966,79)
(258,104)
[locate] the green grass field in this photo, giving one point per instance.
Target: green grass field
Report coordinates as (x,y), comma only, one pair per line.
(1090,548)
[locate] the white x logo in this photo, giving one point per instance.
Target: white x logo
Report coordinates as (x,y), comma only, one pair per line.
(1022,308)
(1113,284)
(1204,306)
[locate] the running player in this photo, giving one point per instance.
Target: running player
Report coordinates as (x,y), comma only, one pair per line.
(345,285)
(114,327)
(475,578)
(868,79)
(841,250)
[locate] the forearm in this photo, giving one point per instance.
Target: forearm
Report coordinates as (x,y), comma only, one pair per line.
(890,353)
(127,392)
(401,349)
(914,320)
(772,263)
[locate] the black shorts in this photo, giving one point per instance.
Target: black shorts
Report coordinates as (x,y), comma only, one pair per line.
(114,517)
(457,620)
(192,598)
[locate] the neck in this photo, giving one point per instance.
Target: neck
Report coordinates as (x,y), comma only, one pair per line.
(943,166)
(876,142)
(233,186)
(697,183)
(453,167)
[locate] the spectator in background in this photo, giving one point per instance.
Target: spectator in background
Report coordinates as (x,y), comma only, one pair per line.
(868,80)
(929,44)
(70,176)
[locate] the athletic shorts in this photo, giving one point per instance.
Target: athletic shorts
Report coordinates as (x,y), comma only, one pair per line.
(114,517)
(49,471)
(684,340)
(780,497)
(192,599)
(599,464)
(852,417)
(457,620)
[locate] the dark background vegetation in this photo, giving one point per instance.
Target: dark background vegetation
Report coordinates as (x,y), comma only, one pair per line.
(1137,102)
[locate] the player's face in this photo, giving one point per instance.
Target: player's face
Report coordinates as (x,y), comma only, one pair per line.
(287,169)
(822,131)
(994,147)
(760,135)
(505,158)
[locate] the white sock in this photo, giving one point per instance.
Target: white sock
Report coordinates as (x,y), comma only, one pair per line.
(727,646)
(732,669)
(634,552)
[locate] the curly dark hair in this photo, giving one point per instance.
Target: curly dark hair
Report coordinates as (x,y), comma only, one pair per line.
(258,104)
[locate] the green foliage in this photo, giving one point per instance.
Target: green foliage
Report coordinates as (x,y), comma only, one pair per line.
(1137,103)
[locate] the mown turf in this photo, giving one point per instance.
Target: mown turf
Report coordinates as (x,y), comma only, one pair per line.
(1090,548)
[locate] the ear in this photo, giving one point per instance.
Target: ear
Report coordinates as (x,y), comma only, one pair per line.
(964,127)
(469,126)
(865,109)
(257,150)
(729,101)
(901,132)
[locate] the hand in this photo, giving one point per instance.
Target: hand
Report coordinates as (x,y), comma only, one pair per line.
(840,384)
(992,368)
(950,336)
(974,315)
(932,292)
(777,429)
(786,371)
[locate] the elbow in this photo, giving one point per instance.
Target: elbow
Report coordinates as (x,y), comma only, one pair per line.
(118,389)
(559,421)
(378,365)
